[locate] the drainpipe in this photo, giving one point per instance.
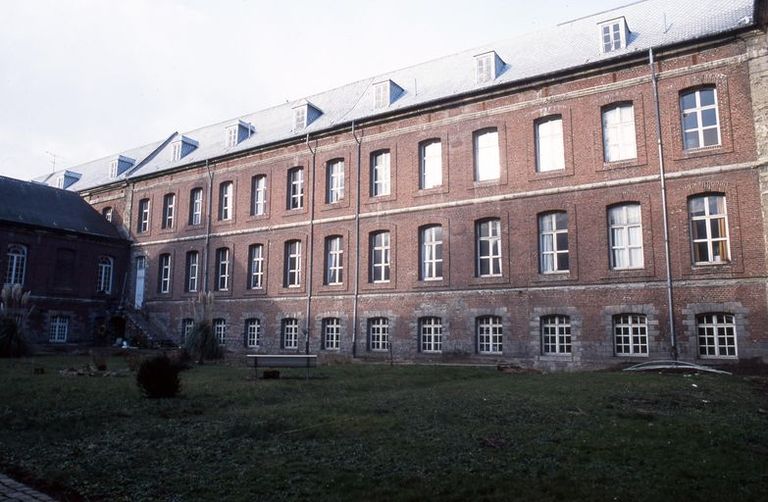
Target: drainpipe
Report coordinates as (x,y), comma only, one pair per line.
(359,142)
(310,245)
(665,213)
(207,249)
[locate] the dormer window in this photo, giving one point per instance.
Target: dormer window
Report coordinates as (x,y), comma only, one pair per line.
(231,136)
(385,93)
(613,35)
(113,169)
(237,132)
(182,146)
(67,179)
(488,66)
(304,114)
(119,165)
(176,150)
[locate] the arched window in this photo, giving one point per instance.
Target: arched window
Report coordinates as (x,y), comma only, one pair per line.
(17,264)
(701,122)
(104,282)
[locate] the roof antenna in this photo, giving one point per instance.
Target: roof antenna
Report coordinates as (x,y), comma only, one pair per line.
(53,160)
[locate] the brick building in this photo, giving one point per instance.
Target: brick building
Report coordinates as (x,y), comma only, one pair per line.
(580,196)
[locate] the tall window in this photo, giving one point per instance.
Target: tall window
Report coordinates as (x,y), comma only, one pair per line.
(489,335)
(231,135)
(553,242)
(196,206)
(431,253)
(335,181)
(220,330)
(192,268)
(334,260)
(550,152)
(292,264)
(701,125)
(187,325)
(486,153)
(378,333)
(226,192)
(290,333)
(331,333)
(256,266)
(169,205)
(17,264)
(59,328)
(143,223)
(431,334)
(252,333)
(631,334)
(380,173)
(296,188)
(709,229)
(107,213)
(488,238)
(613,36)
(379,257)
(164,274)
(222,269)
(716,334)
(626,236)
(104,280)
(431,164)
(258,195)
(556,334)
(619,133)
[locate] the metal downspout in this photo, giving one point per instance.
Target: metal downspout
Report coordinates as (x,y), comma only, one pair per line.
(208,227)
(310,245)
(357,244)
(665,213)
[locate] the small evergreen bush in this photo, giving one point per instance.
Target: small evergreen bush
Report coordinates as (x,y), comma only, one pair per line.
(12,342)
(202,343)
(158,377)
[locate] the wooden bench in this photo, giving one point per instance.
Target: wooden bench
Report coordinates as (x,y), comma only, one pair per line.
(283,361)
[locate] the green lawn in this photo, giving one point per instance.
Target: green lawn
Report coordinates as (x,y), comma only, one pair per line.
(381,433)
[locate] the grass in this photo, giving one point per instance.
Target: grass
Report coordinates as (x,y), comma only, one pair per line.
(383,433)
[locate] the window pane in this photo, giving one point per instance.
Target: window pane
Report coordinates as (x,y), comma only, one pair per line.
(562,242)
(689,101)
(710,137)
(562,261)
(691,140)
(707,97)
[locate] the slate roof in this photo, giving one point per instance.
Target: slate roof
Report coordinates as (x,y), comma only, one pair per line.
(30,203)
(567,46)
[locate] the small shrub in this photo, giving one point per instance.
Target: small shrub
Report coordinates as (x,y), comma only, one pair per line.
(202,343)
(12,342)
(158,377)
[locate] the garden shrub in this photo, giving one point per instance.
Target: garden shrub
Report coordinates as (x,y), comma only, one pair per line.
(158,377)
(12,342)
(202,344)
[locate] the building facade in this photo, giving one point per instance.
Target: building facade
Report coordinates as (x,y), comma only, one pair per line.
(585,207)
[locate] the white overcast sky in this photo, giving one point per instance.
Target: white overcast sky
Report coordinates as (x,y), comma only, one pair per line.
(83,79)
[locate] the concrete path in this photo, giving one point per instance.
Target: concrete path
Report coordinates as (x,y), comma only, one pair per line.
(11,490)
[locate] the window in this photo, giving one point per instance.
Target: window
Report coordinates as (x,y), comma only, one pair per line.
(431,334)
(486,146)
(484,68)
(626,236)
(59,329)
(258,195)
(107,214)
(296,188)
(193,265)
(381,95)
(613,35)
(488,237)
(17,264)
(556,334)
(335,181)
(701,125)
(222,269)
(300,118)
(187,325)
(290,333)
(220,331)
(256,266)
(550,153)
(231,135)
(334,260)
(225,200)
(431,164)
(164,274)
(331,333)
(619,133)
(292,264)
(709,229)
(143,224)
(553,242)
(378,333)
(113,169)
(431,253)
(380,174)
(252,333)
(716,334)
(104,280)
(176,150)
(631,334)
(489,335)
(379,257)
(196,206)
(169,203)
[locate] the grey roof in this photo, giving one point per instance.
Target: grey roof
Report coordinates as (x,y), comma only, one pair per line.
(567,46)
(30,203)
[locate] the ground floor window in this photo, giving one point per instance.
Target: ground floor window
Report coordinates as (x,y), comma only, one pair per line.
(378,333)
(253,333)
(489,335)
(291,333)
(556,334)
(631,334)
(220,330)
(431,331)
(187,325)
(59,329)
(331,333)
(716,334)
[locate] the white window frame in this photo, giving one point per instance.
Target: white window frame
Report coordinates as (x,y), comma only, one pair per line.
(143,216)
(431,164)
(296,188)
(625,235)
(335,177)
(104,277)
(709,219)
(380,173)
(716,335)
(490,335)
(196,206)
(331,333)
(488,250)
(380,245)
(334,260)
(222,269)
(630,334)
(259,195)
(293,263)
(381,94)
(550,249)
(220,331)
(187,325)
(17,264)
(299,118)
(107,213)
(550,148)
(698,111)
(484,68)
(169,205)
(256,266)
(613,35)
(556,337)
(431,335)
(113,169)
(253,333)
(176,150)
(59,328)
(165,273)
(290,333)
(193,266)
(226,193)
(619,138)
(231,135)
(486,155)
(378,334)
(431,253)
